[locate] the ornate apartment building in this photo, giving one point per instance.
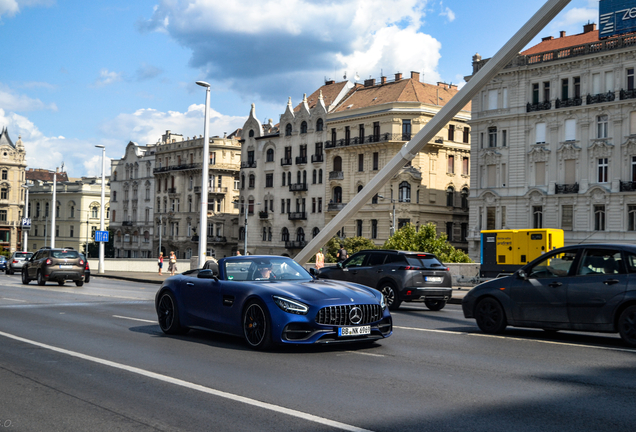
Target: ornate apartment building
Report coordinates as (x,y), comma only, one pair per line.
(333,143)
(77,209)
(178,177)
(554,141)
(12,194)
(132,193)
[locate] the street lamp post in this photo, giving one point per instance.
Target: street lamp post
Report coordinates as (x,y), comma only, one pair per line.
(25,246)
(392,231)
(100,268)
(53,208)
(203,216)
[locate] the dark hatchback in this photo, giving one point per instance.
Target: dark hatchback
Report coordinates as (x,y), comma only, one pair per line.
(584,287)
(399,275)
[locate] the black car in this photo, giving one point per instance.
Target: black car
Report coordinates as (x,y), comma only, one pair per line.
(399,275)
(87,269)
(584,287)
(57,265)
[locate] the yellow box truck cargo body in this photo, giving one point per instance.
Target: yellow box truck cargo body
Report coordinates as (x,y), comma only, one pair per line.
(504,251)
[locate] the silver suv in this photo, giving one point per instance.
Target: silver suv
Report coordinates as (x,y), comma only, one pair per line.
(17,261)
(399,275)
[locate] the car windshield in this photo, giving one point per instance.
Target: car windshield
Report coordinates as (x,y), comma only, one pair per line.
(267,268)
(23,255)
(64,254)
(424,260)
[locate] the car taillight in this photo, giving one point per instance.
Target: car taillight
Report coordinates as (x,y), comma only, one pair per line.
(81,262)
(48,261)
(410,268)
(15,261)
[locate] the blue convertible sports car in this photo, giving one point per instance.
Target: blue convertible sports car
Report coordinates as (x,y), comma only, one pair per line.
(271,299)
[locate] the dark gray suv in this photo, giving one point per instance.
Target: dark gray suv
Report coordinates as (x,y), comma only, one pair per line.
(399,275)
(57,265)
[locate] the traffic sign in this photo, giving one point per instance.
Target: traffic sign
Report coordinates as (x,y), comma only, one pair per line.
(101,236)
(26,223)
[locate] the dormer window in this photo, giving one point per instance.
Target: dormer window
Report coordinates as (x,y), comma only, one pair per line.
(288,129)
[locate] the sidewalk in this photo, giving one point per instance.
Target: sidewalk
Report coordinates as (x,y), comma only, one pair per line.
(155,278)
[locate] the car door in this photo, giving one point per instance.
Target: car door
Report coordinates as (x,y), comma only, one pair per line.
(541,297)
(371,270)
(352,266)
(598,287)
(201,297)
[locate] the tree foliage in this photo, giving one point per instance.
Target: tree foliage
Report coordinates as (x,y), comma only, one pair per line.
(426,240)
(351,244)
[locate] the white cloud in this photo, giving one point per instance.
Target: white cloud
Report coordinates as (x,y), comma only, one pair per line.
(11,101)
(12,7)
(106,78)
(447,12)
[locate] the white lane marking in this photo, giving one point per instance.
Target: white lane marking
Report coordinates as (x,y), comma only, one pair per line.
(134,319)
(364,353)
(192,386)
(519,339)
(7,298)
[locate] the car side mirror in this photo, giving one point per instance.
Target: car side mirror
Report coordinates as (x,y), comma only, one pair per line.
(207,274)
(522,275)
(313,272)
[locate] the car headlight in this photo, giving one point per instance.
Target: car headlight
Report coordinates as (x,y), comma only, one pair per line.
(383,303)
(291,306)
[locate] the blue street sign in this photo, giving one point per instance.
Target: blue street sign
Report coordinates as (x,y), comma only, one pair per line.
(101,236)
(26,223)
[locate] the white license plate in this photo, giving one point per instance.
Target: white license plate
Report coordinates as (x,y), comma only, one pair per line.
(354,331)
(66,267)
(433,278)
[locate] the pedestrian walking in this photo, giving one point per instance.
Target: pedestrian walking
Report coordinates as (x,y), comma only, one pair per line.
(160,262)
(342,253)
(238,252)
(320,260)
(172,267)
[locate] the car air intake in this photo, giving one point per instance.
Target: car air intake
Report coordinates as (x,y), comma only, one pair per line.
(339,315)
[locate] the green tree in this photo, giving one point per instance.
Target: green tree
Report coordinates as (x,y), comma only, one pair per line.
(426,240)
(351,244)
(109,247)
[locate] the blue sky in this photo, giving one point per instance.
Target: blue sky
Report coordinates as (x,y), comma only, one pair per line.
(80,73)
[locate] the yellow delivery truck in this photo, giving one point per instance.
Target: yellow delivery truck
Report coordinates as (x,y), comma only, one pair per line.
(504,251)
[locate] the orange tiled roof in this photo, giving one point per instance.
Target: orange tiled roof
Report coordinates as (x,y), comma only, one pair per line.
(329,94)
(405,90)
(563,42)
(44,175)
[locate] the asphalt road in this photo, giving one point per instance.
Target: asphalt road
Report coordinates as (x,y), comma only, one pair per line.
(93,358)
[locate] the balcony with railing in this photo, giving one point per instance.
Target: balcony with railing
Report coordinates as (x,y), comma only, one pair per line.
(177,167)
(298,244)
(317,158)
(570,102)
(248,164)
(298,187)
(368,139)
(172,190)
(627,94)
(540,106)
(600,98)
(127,223)
(285,161)
(336,175)
(217,239)
(335,206)
(300,160)
(297,216)
(263,214)
(217,190)
(566,188)
(628,186)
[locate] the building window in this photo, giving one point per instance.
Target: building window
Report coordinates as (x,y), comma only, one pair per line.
(466,135)
(451,165)
(450,197)
(303,127)
(630,79)
(270,155)
(492,137)
(631,218)
(319,204)
(406,130)
(376,161)
(465,166)
(601,126)
(320,176)
(535,93)
(347,138)
(537,217)
(3,216)
(320,125)
(577,86)
(567,211)
(359,227)
(565,92)
(599,218)
(465,199)
(269,180)
(252,181)
(451,132)
(602,170)
(285,235)
(449,231)
(288,129)
(361,162)
(5,175)
(94,212)
(546,91)
(539,173)
(4,194)
(504,138)
(405,192)
(374,228)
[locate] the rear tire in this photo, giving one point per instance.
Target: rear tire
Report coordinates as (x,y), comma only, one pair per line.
(25,277)
(41,280)
(79,283)
(435,305)
(490,316)
(256,326)
(391,296)
(168,315)
(60,283)
(627,326)
(87,279)
(9,272)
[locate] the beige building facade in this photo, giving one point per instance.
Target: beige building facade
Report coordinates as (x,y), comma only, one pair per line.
(12,194)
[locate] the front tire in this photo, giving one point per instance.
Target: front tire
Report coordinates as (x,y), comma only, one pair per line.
(490,316)
(256,326)
(627,326)
(41,280)
(435,305)
(391,296)
(25,277)
(168,315)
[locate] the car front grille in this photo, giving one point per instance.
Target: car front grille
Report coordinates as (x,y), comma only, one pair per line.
(339,315)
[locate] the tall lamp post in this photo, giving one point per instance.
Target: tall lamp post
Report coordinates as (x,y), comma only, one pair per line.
(203,216)
(100,268)
(393,221)
(25,245)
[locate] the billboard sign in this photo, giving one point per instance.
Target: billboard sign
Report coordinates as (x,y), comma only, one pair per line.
(616,17)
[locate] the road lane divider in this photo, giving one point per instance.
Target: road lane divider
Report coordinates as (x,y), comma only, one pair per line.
(193,386)
(136,319)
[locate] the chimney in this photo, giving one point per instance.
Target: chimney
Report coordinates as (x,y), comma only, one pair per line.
(547,38)
(369,82)
(329,82)
(383,80)
(398,76)
(415,76)
(562,33)
(590,27)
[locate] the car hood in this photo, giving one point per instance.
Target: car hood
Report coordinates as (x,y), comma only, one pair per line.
(330,292)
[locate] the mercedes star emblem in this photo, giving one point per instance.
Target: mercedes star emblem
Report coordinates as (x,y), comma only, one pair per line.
(355,315)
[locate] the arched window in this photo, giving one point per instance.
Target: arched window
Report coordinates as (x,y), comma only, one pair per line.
(284,177)
(300,235)
(320,125)
(37,210)
(288,129)
(242,233)
(94,212)
(313,177)
(337,194)
(269,233)
(320,176)
(465,198)
(304,177)
(315,232)
(405,192)
(270,155)
(298,177)
(450,197)
(264,233)
(303,127)
(243,181)
(360,188)
(285,235)
(46,210)
(337,163)
(289,178)
(251,133)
